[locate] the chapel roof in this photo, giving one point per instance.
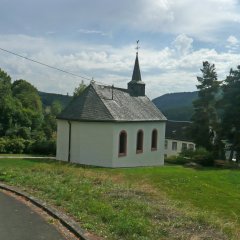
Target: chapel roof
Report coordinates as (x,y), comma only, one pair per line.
(110,104)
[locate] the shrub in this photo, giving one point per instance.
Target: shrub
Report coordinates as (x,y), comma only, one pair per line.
(15,145)
(176,160)
(3,144)
(200,156)
(44,147)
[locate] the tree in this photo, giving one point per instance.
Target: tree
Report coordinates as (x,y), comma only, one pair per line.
(27,94)
(9,107)
(56,107)
(231,111)
(78,90)
(31,103)
(23,127)
(50,123)
(205,127)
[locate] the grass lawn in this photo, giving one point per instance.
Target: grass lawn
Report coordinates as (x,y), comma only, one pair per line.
(168,202)
(20,155)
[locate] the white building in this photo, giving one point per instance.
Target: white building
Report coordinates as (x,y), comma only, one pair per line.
(177,138)
(112,127)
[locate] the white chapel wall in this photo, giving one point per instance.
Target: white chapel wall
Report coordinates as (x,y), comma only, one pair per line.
(92,143)
(62,140)
(147,157)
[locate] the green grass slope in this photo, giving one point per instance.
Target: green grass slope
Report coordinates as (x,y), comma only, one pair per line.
(168,202)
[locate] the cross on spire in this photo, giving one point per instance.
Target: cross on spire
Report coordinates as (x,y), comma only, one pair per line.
(137,46)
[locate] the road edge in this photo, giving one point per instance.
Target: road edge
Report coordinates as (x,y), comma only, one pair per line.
(66,221)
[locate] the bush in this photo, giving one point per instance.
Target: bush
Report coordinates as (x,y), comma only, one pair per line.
(3,144)
(20,145)
(12,145)
(16,145)
(200,156)
(44,147)
(177,160)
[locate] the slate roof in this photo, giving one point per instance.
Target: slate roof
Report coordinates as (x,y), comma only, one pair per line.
(178,130)
(106,103)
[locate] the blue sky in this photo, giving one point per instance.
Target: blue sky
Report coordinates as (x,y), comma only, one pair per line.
(97,39)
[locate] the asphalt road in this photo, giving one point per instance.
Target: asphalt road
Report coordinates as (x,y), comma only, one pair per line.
(20,222)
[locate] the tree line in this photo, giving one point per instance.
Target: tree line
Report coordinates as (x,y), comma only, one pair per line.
(25,126)
(216,117)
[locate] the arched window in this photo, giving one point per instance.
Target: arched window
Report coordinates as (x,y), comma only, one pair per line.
(139,147)
(154,140)
(122,149)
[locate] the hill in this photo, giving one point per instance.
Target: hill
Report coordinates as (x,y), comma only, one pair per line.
(49,98)
(176,106)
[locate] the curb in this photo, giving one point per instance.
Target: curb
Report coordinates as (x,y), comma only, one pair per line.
(66,221)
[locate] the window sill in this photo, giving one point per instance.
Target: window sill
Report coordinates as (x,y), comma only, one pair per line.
(154,149)
(122,155)
(139,151)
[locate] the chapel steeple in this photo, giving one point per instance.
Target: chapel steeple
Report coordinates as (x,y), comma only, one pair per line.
(136,76)
(136,86)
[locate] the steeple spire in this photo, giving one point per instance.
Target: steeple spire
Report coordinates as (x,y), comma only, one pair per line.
(136,87)
(136,76)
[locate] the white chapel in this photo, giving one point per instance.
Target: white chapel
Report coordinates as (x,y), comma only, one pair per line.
(112,127)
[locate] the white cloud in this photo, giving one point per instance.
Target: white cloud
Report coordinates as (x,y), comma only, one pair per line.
(90,31)
(183,44)
(232,44)
(163,70)
(232,40)
(199,19)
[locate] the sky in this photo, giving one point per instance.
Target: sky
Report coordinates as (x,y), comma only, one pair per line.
(97,39)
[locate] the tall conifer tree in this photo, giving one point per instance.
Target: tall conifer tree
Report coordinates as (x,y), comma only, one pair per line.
(231,111)
(205,120)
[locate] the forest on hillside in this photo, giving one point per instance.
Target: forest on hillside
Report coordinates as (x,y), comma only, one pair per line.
(28,117)
(177,106)
(26,124)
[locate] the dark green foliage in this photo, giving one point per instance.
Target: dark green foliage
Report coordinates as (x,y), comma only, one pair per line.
(23,123)
(45,147)
(205,127)
(14,145)
(27,95)
(50,124)
(176,106)
(183,113)
(231,110)
(200,156)
(78,90)
(176,160)
(49,98)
